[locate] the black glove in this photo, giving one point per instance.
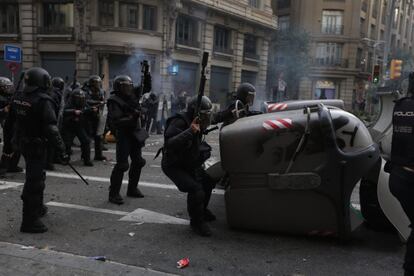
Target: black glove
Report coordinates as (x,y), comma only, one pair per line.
(65,158)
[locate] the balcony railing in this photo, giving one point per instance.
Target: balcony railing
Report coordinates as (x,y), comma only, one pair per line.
(9,30)
(330,62)
(251,55)
(189,43)
(333,29)
(56,30)
(223,50)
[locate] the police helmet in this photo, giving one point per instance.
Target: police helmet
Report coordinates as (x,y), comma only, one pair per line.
(123,84)
(246,93)
(58,82)
(6,86)
(78,98)
(205,110)
(37,77)
(95,81)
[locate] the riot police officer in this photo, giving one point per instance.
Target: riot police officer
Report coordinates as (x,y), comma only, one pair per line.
(56,93)
(124,122)
(183,156)
(10,157)
(75,122)
(34,114)
(240,107)
(401,166)
(95,98)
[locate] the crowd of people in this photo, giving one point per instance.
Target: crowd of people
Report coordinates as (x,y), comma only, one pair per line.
(41,121)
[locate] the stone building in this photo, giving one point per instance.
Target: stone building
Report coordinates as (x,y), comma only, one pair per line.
(112,37)
(347,39)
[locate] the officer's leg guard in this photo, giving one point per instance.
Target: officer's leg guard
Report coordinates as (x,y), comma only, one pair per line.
(116,182)
(134,176)
(32,198)
(195,207)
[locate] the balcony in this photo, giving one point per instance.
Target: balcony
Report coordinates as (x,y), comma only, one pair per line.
(188,43)
(330,62)
(333,29)
(56,30)
(223,50)
(253,56)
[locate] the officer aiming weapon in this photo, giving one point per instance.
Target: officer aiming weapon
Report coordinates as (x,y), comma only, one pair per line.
(20,81)
(75,79)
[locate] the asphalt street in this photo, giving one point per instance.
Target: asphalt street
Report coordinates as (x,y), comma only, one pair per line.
(153,232)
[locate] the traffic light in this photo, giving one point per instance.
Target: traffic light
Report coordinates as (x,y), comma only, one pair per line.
(396,68)
(376,74)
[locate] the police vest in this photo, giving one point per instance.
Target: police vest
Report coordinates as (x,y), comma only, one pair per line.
(29,108)
(402,151)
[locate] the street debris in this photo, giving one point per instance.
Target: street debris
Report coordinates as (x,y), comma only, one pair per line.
(183,263)
(24,247)
(131,234)
(99,258)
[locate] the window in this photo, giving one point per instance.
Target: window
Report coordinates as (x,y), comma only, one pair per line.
(106,13)
(283,4)
(407,28)
(373,32)
(359,60)
(57,18)
(284,23)
(329,54)
(375,9)
(9,18)
(222,39)
(128,15)
(332,22)
(250,46)
(150,18)
(187,31)
(254,3)
(364,6)
(384,14)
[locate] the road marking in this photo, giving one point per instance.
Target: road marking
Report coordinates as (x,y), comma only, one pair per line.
(155,166)
(107,180)
(146,216)
(87,208)
(9,184)
(138,215)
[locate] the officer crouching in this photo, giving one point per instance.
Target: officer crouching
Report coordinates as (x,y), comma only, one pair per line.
(124,122)
(401,166)
(183,156)
(36,126)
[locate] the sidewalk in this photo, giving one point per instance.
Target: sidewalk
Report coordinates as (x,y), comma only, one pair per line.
(18,260)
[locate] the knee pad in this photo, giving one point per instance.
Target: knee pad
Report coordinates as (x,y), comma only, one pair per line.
(123,167)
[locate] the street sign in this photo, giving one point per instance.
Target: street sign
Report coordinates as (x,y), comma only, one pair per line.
(12,53)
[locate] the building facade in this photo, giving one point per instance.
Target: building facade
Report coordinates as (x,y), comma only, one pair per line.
(112,37)
(347,39)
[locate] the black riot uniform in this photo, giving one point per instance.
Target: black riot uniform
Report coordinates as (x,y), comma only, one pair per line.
(124,122)
(34,115)
(10,157)
(401,167)
(184,153)
(95,98)
(75,123)
(56,93)
(239,108)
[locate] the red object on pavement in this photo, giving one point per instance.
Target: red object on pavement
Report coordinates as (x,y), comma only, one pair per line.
(183,263)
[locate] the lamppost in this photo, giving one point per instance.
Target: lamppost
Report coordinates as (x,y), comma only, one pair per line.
(374,44)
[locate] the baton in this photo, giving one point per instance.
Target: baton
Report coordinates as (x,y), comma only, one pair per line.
(80,176)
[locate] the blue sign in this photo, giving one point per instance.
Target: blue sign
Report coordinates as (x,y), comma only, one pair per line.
(12,53)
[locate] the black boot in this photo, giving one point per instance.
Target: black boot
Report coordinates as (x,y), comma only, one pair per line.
(208,215)
(201,228)
(116,182)
(134,192)
(86,155)
(98,149)
(31,222)
(4,164)
(14,161)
